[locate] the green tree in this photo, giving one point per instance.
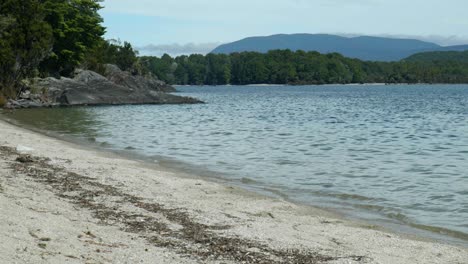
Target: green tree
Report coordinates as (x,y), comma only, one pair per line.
(113,52)
(197,69)
(5,22)
(76,28)
(287,67)
(181,73)
(25,40)
(218,68)
(126,56)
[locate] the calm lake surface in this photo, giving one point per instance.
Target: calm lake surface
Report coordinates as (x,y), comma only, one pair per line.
(393,154)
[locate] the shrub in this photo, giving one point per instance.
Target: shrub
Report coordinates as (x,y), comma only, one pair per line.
(3,100)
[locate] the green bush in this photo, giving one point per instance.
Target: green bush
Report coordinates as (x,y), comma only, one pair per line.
(3,100)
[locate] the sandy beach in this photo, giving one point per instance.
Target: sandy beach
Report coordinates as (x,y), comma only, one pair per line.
(64,203)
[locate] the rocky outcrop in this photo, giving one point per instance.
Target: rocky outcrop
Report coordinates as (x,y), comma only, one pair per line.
(117,76)
(90,88)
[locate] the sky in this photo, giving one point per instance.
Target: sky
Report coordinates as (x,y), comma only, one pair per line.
(179,27)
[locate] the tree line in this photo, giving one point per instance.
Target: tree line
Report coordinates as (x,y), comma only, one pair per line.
(459,56)
(296,68)
(40,38)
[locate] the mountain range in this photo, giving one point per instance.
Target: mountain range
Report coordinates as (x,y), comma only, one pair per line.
(364,47)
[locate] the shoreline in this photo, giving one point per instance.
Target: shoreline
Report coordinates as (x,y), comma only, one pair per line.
(188,212)
(190,171)
(325,84)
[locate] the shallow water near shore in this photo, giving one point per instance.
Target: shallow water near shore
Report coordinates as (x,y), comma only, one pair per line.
(396,154)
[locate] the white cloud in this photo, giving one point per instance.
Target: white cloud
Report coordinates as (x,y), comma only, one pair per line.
(177,49)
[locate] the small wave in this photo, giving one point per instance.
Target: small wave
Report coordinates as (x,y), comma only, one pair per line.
(248,181)
(441,231)
(398,216)
(442,197)
(287,162)
(105,144)
(221,133)
(345,196)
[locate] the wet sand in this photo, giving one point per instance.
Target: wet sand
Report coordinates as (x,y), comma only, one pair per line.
(64,203)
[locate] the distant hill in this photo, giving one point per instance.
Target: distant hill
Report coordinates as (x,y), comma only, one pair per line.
(458,56)
(364,48)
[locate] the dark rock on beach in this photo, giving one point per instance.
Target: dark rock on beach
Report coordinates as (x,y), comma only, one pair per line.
(25,159)
(116,87)
(24,103)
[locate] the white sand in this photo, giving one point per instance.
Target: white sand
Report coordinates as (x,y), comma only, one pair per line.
(38,224)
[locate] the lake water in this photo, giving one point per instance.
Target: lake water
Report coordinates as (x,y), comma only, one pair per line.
(393,154)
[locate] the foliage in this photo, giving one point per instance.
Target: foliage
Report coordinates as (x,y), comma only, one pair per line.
(5,22)
(164,67)
(456,56)
(126,56)
(47,37)
(287,67)
(3,100)
(25,40)
(113,52)
(76,28)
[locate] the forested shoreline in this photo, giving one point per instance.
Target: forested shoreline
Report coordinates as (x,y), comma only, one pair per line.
(296,68)
(52,38)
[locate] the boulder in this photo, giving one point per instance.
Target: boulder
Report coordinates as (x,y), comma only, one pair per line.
(25,95)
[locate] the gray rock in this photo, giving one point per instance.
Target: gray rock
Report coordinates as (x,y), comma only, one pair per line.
(117,76)
(25,95)
(23,103)
(116,87)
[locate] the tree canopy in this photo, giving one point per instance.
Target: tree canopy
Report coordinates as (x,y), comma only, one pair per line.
(440,56)
(288,67)
(49,38)
(25,40)
(77,29)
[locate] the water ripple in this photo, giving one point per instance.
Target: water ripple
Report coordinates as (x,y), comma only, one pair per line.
(398,151)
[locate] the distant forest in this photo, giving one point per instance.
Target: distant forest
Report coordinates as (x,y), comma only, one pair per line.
(440,56)
(296,68)
(43,38)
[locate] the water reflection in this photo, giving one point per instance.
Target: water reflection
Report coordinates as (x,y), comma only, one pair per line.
(79,121)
